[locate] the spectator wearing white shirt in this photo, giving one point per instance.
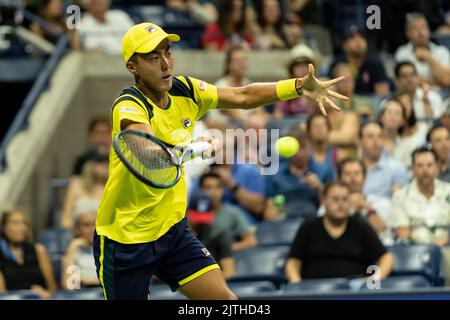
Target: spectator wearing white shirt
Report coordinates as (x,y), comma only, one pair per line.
(421,210)
(102,29)
(432,61)
(439,138)
(412,134)
(427,103)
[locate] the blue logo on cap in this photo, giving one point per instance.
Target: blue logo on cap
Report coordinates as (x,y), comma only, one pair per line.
(150,29)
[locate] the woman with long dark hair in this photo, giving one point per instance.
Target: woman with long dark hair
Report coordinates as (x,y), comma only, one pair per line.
(412,135)
(271,31)
(231,30)
(23,265)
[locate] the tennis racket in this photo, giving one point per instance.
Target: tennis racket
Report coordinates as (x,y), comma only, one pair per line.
(153,161)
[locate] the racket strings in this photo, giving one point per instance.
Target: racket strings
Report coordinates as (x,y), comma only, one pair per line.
(149,159)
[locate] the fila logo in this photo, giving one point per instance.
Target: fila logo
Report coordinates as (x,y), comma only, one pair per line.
(150,29)
(186,123)
(202,85)
(206,252)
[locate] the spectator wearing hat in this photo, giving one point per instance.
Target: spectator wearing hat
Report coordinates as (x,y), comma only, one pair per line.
(431,61)
(200,219)
(367,70)
(299,58)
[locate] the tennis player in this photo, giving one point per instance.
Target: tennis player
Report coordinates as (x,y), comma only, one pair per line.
(141,231)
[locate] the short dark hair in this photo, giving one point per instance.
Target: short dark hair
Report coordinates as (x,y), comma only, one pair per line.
(401,64)
(98,120)
(414,16)
(365,124)
(422,150)
(433,129)
(333,184)
(344,162)
(208,175)
(412,120)
(316,115)
(133,59)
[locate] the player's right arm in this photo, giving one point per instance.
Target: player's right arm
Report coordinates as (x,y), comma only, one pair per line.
(258,94)
(127,124)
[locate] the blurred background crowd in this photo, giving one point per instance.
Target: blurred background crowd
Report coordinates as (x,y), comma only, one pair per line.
(373,176)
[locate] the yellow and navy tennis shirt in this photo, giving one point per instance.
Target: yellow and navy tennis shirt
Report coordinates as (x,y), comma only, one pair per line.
(131,211)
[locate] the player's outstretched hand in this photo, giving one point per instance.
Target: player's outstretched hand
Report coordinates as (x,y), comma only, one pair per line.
(318,90)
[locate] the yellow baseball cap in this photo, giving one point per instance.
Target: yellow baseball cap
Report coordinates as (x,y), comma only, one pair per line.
(144,38)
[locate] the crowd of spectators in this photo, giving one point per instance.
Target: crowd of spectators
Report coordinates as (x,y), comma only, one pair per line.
(374,174)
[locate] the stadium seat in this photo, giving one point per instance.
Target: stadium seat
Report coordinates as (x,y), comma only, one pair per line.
(300,208)
(163,292)
(251,287)
(277,233)
(421,260)
(319,285)
(55,240)
(404,282)
(19,295)
(261,263)
(82,294)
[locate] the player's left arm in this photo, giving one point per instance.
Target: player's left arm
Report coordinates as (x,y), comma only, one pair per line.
(258,94)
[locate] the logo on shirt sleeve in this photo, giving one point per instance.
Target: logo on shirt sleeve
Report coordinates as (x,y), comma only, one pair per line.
(206,252)
(202,85)
(129,110)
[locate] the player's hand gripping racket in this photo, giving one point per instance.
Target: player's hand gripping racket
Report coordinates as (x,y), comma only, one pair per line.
(152,161)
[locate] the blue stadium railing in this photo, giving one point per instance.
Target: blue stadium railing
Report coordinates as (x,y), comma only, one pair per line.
(21,119)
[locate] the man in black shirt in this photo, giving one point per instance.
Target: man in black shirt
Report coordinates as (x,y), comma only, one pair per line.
(336,245)
(368,70)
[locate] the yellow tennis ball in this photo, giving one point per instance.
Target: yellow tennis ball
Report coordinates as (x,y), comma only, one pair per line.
(287,146)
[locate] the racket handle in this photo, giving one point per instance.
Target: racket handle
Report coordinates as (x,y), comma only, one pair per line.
(197,148)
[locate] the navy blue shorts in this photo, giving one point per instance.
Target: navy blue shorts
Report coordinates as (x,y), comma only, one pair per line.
(125,270)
